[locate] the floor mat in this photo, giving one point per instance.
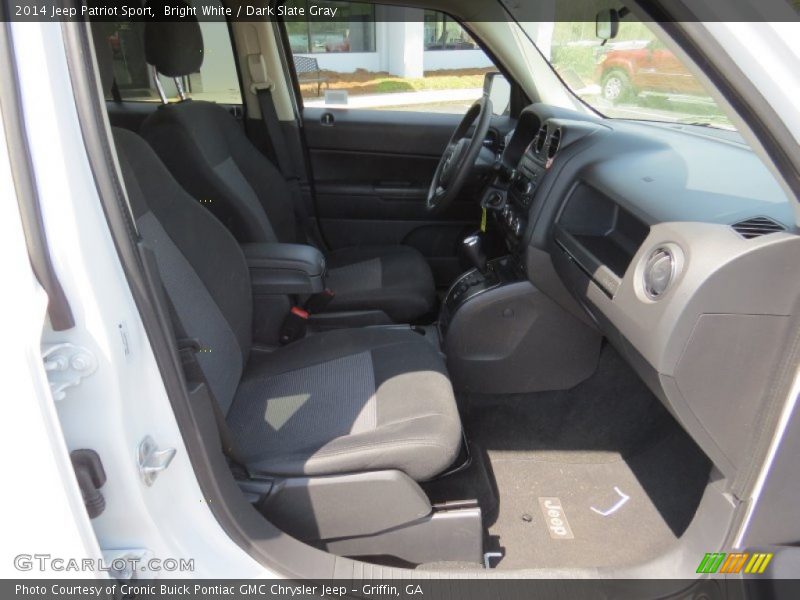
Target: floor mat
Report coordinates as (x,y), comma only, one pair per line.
(598,514)
(594,476)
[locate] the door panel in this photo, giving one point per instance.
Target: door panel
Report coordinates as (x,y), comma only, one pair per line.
(372,169)
(366,129)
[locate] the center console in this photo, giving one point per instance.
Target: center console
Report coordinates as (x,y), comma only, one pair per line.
(473,283)
(502,335)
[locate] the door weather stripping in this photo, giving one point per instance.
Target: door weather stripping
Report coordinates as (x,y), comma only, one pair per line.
(66,366)
(152,460)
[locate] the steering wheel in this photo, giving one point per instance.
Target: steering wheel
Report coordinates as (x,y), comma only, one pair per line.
(459,157)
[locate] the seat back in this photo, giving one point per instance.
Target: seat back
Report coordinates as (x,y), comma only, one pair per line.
(202,266)
(207,150)
(209,154)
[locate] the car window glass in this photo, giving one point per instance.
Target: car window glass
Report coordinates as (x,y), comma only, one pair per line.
(382,57)
(216,81)
(632,76)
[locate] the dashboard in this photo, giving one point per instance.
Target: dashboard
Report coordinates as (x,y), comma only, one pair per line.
(673,240)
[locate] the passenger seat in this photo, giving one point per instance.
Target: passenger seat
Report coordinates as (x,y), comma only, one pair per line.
(347,401)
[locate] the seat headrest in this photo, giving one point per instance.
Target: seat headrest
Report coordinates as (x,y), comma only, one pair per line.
(174,49)
(105,58)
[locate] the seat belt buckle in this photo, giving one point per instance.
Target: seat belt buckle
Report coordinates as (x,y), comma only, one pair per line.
(294,326)
(318,302)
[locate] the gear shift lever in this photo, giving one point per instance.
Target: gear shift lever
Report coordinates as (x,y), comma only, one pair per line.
(473,248)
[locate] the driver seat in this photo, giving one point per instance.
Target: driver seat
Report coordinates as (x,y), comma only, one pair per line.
(207,151)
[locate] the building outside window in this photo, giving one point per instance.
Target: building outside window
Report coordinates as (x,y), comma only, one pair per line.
(353,31)
(386,57)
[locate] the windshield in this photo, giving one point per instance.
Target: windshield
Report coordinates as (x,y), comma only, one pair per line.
(632,76)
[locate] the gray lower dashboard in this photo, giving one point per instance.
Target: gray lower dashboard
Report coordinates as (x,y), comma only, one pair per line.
(619,196)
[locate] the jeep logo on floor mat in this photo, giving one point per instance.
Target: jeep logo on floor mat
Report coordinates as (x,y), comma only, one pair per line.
(556,519)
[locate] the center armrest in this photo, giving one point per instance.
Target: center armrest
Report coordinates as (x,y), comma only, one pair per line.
(285,268)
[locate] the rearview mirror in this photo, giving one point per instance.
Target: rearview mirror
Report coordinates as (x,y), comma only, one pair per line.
(607,24)
(497,88)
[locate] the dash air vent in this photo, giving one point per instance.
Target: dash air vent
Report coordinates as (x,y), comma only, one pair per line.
(538,141)
(555,141)
(757,226)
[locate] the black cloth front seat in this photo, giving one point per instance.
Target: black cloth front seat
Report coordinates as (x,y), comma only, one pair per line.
(346,401)
(209,154)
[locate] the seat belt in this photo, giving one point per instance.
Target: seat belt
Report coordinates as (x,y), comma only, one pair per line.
(262,87)
(269,114)
(193,372)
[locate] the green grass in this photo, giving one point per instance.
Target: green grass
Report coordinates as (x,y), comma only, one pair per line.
(581,59)
(389,86)
(444,82)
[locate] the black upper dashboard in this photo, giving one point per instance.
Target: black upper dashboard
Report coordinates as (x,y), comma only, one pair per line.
(660,172)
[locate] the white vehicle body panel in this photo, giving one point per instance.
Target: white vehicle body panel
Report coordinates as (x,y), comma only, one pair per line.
(125,395)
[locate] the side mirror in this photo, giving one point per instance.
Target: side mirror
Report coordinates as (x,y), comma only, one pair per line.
(498,89)
(607,24)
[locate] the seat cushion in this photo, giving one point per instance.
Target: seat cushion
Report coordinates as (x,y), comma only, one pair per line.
(348,401)
(394,279)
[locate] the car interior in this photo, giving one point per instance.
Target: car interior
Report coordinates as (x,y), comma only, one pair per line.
(576,384)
